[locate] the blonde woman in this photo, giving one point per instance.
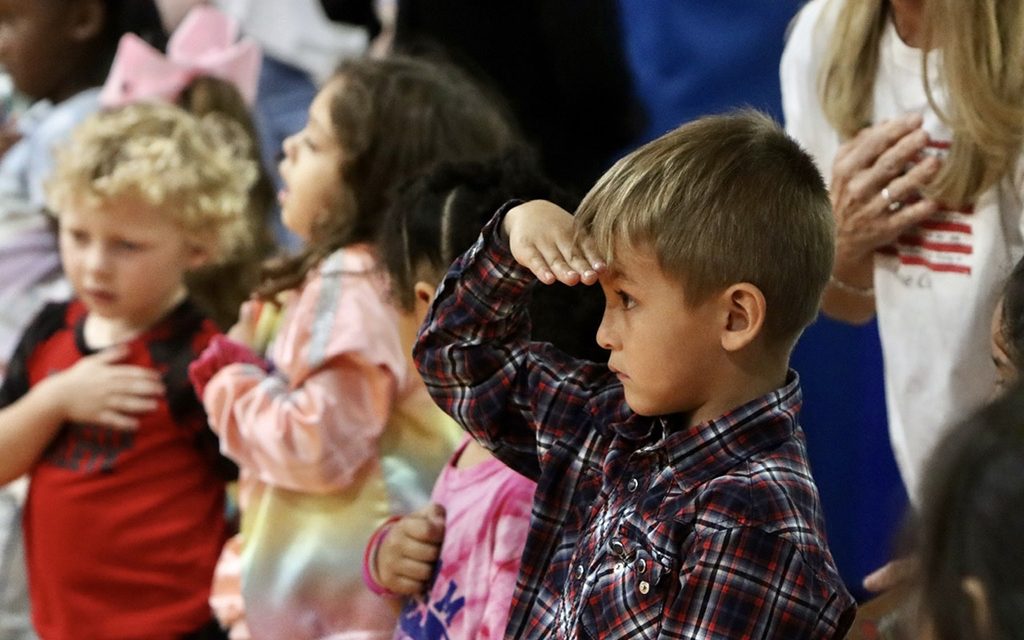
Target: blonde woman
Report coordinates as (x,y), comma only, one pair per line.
(916,112)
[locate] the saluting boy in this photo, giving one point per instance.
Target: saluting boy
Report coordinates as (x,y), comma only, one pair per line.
(674,495)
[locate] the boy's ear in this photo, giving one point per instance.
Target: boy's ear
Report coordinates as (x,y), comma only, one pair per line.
(745,309)
(86,19)
(198,255)
(423,296)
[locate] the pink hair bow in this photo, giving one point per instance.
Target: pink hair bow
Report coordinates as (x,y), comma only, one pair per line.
(204,44)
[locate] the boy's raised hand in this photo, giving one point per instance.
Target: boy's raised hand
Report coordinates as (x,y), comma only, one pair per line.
(407,554)
(97,390)
(540,235)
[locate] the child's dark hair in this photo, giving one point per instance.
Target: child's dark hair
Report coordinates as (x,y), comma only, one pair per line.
(1012,322)
(971,524)
(436,217)
(220,289)
(394,118)
(141,17)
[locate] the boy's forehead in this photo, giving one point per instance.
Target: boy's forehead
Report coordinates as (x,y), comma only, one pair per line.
(630,260)
(128,211)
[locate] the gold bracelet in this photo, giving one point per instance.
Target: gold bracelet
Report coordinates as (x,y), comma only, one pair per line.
(846,287)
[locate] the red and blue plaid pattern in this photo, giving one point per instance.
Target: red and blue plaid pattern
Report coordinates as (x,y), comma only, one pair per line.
(641,527)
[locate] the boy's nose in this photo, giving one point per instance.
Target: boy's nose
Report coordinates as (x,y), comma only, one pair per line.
(96,259)
(604,334)
(288,147)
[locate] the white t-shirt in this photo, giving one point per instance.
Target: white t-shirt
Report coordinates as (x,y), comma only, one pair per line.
(937,286)
(298,32)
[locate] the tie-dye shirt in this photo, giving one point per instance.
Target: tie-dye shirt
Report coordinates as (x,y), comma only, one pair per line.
(487,517)
(339,436)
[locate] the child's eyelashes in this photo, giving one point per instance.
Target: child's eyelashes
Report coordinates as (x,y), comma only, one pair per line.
(627,301)
(78,237)
(82,239)
(126,245)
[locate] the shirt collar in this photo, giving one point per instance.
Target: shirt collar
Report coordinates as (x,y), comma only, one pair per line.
(42,111)
(710,449)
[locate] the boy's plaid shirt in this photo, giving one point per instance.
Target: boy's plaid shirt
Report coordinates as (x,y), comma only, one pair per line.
(641,527)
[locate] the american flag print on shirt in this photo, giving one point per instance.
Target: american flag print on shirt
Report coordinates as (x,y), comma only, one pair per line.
(944,243)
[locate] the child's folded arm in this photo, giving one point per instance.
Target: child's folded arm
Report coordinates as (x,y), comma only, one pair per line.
(315,437)
(476,358)
(26,428)
(96,390)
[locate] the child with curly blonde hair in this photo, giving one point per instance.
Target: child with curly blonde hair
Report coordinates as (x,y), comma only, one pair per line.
(124,519)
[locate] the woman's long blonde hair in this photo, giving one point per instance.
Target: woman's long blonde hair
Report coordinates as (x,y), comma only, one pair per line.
(982,70)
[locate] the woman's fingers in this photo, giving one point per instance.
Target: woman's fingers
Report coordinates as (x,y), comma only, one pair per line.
(896,160)
(911,215)
(863,150)
(892,163)
(905,189)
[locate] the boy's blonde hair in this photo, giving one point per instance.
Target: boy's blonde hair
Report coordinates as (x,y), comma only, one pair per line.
(723,200)
(160,156)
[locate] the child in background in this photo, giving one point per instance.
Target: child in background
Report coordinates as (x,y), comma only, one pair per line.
(891,615)
(969,584)
(55,52)
(965,576)
(334,432)
(124,518)
(674,496)
(1007,340)
(476,524)
(206,71)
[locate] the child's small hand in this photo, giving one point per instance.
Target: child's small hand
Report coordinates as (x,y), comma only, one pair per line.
(97,390)
(894,574)
(540,235)
(244,331)
(406,557)
(219,353)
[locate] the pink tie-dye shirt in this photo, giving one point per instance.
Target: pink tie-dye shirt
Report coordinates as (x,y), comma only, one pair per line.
(487,517)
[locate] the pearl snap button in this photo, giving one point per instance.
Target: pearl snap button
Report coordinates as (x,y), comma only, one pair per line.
(579,571)
(632,485)
(644,587)
(641,565)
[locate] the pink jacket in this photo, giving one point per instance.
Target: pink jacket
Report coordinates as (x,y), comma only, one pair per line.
(340,435)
